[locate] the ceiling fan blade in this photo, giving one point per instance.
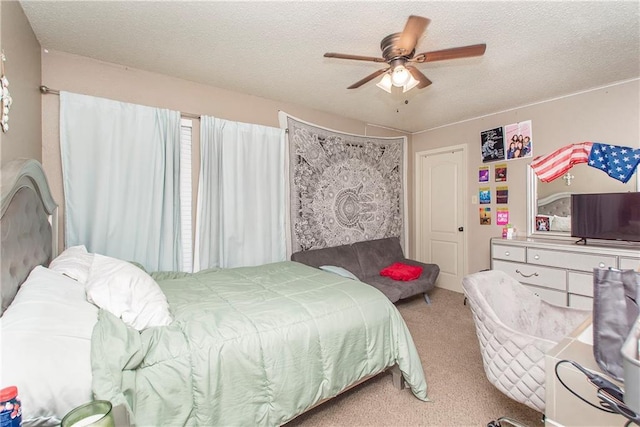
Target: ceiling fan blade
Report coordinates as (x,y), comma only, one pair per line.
(413,30)
(417,74)
(356,57)
(368,78)
(452,53)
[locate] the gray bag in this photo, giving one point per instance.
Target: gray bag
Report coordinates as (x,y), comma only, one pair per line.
(615,309)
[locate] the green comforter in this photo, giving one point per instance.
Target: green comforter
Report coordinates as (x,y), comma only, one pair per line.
(251,346)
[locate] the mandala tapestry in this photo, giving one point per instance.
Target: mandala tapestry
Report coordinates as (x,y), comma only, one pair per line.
(344,188)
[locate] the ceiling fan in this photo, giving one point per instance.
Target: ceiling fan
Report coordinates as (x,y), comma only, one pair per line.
(398,51)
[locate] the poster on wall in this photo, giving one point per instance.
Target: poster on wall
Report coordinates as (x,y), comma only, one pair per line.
(501,172)
(502,195)
(502,216)
(484,194)
(483,174)
(519,140)
(492,143)
(543,223)
(485,216)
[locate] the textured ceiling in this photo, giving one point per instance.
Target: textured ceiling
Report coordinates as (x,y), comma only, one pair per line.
(536,50)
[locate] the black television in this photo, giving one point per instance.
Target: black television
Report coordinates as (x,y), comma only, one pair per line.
(606,216)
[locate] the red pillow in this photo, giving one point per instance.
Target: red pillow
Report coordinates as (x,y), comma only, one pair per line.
(400,271)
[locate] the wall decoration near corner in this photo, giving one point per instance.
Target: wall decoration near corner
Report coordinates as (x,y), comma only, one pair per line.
(5,96)
(343,188)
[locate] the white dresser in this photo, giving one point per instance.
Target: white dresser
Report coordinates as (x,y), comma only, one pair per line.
(559,271)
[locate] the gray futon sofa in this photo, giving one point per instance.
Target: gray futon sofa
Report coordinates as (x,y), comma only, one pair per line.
(366,259)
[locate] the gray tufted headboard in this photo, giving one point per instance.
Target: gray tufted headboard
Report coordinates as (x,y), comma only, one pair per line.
(28,225)
(556,204)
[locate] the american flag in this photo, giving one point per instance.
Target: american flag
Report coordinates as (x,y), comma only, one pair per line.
(618,162)
(556,164)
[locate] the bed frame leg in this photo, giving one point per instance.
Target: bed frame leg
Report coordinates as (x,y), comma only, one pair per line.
(397,378)
(426,298)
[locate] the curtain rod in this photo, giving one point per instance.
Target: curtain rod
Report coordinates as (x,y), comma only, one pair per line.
(46,91)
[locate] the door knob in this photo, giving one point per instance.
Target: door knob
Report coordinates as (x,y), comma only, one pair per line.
(460,228)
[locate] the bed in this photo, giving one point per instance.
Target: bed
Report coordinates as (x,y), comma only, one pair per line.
(554,213)
(244,346)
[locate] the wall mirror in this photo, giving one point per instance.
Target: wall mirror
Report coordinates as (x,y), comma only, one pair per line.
(549,203)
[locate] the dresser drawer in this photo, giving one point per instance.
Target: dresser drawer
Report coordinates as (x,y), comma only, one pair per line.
(579,301)
(510,253)
(572,260)
(549,295)
(534,274)
(629,263)
(580,283)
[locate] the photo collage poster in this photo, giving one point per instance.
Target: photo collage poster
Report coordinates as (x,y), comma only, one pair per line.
(519,140)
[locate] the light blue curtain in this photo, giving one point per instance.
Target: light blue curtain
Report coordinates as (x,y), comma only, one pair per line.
(120,165)
(241,195)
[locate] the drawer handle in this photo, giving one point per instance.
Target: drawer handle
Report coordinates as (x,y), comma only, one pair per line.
(536,257)
(601,265)
(526,275)
(507,253)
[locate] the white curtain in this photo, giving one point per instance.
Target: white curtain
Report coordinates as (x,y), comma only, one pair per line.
(241,200)
(120,165)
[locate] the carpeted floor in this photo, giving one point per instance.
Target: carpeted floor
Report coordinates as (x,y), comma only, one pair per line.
(460,394)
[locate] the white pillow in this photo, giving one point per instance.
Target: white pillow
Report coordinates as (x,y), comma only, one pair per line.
(561,223)
(127,292)
(74,262)
(339,271)
(46,346)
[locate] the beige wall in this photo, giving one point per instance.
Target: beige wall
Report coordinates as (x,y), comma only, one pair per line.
(62,71)
(610,115)
(22,68)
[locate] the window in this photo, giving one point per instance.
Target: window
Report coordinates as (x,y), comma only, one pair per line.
(186,126)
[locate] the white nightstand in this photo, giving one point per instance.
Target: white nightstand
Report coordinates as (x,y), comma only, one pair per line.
(563,408)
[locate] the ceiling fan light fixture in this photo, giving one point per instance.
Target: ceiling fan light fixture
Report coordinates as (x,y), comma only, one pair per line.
(399,52)
(410,84)
(385,83)
(400,76)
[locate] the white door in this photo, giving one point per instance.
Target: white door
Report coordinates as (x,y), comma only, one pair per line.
(440,181)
